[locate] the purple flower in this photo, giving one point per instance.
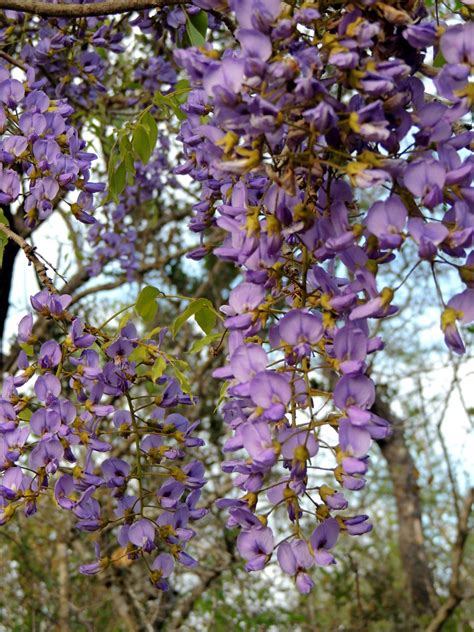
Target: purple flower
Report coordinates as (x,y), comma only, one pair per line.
(354,394)
(96,567)
(463,304)
(425,179)
(322,117)
(11,92)
(65,492)
(87,510)
(354,439)
(9,186)
(386,221)
(334,500)
(162,568)
(224,79)
(457,44)
(11,445)
(78,338)
(298,445)
(13,483)
(428,236)
(25,329)
(122,419)
(272,392)
(324,537)
(459,308)
(243,300)
(295,558)
(44,421)
(377,307)
(142,534)
(257,440)
(358,525)
(49,355)
(46,454)
(255,546)
(115,472)
(169,493)
(255,13)
(420,35)
(8,418)
(50,304)
(15,145)
(254,44)
(248,360)
(350,349)
(47,388)
(301,331)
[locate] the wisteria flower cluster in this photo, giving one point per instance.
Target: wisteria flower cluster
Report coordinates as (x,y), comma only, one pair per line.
(42,157)
(66,61)
(286,133)
(115,239)
(60,418)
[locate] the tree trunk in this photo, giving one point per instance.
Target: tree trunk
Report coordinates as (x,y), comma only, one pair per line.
(6,275)
(403,473)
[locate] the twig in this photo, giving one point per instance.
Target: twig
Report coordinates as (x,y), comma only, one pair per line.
(75,10)
(41,269)
(12,60)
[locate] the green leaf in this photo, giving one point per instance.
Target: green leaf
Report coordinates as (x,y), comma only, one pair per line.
(158,368)
(182,88)
(3,237)
(141,144)
(139,354)
(206,341)
(125,145)
(28,349)
(25,414)
(129,167)
(149,123)
(222,394)
(168,101)
(200,22)
(191,310)
(195,36)
(118,180)
(439,61)
(206,319)
(123,321)
(146,305)
(183,381)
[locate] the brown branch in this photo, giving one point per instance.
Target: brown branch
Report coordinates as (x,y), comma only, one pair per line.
(75,10)
(11,60)
(29,251)
(455,591)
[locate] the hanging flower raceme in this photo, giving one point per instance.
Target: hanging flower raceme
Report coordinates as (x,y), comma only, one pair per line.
(61,418)
(42,158)
(307,112)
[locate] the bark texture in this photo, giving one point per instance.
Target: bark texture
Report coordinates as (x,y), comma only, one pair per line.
(403,473)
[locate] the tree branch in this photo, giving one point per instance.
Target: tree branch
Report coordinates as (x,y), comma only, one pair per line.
(29,251)
(455,592)
(76,10)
